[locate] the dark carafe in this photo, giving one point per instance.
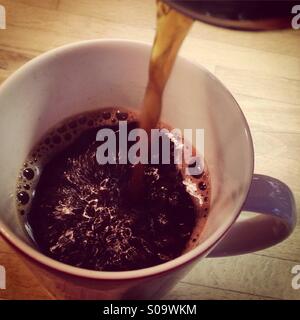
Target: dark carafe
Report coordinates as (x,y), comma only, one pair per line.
(242,14)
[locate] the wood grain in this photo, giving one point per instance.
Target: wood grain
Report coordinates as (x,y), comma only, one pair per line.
(261,69)
(199,292)
(250,274)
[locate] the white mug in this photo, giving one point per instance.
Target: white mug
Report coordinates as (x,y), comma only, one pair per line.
(95,74)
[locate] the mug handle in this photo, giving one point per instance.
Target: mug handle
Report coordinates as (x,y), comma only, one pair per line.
(275,202)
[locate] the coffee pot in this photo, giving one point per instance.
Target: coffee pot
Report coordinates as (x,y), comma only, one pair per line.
(241,14)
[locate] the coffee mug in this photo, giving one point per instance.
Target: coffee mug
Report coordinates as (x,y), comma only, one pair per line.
(99,73)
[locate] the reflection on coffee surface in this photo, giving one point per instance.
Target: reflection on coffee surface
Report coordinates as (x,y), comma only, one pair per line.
(77,211)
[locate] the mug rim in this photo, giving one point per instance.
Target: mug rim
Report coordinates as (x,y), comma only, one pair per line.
(201,250)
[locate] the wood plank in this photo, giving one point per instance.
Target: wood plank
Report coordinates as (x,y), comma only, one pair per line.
(246,60)
(20,40)
(277,155)
(269,115)
(20,282)
(49,4)
(11,61)
(188,291)
(136,13)
(82,27)
(251,274)
(267,41)
(265,86)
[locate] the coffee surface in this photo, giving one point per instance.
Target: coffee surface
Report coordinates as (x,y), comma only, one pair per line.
(80,213)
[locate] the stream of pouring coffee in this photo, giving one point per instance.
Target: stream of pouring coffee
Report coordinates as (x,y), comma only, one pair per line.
(171,29)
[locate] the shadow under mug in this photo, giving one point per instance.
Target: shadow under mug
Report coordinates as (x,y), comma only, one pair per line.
(99,73)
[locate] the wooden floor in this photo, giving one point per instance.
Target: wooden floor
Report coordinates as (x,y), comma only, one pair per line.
(262,70)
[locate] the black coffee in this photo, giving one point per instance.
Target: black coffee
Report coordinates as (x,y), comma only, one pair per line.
(78,211)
